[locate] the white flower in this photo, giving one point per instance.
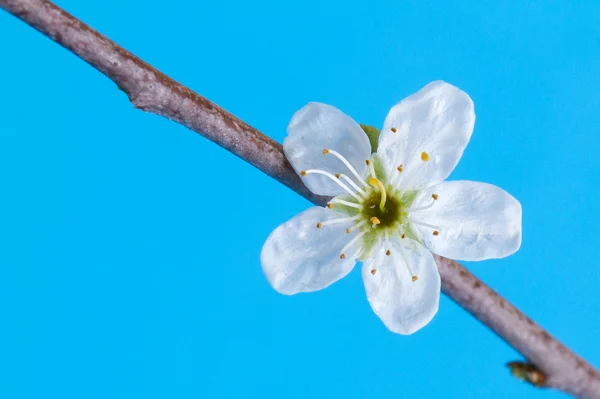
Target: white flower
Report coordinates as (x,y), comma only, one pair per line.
(391,207)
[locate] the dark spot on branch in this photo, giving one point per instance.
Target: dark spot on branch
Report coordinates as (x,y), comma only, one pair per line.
(527,372)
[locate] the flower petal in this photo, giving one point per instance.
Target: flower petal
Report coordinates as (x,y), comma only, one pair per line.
(404,306)
(299,257)
(437,120)
(316,127)
(476,221)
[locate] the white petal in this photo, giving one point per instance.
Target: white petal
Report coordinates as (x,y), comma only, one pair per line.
(316,127)
(438,120)
(404,306)
(476,221)
(299,257)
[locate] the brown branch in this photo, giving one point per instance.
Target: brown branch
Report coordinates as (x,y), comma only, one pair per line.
(153,91)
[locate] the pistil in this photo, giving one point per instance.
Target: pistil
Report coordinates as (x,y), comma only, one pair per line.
(377,183)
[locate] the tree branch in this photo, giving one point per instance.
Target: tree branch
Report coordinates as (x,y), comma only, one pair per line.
(152,91)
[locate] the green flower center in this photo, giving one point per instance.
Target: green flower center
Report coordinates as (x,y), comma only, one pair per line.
(388,217)
(376,207)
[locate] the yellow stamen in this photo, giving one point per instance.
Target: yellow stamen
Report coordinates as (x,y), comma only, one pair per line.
(394,130)
(330,206)
(368,162)
(342,256)
(375,220)
(388,252)
(376,183)
(373,271)
(338,175)
(319,225)
(425,156)
(302,173)
(435,232)
(325,151)
(403,236)
(415,278)
(400,168)
(434,196)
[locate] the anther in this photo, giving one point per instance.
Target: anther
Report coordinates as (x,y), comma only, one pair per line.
(330,206)
(356,226)
(339,220)
(400,168)
(373,271)
(388,252)
(332,177)
(348,165)
(425,156)
(351,243)
(434,196)
(403,236)
(415,278)
(325,151)
(371,167)
(435,232)
(375,220)
(338,175)
(394,130)
(347,203)
(319,225)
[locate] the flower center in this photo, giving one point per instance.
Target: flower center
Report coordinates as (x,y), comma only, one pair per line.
(378,208)
(388,215)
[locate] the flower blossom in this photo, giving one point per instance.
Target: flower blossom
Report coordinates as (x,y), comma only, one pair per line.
(391,207)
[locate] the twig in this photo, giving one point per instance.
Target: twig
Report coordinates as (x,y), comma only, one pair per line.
(562,369)
(152,91)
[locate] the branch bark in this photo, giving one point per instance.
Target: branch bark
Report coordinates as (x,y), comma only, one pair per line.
(152,91)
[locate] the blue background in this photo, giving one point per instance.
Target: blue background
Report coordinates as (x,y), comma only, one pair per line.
(126,271)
